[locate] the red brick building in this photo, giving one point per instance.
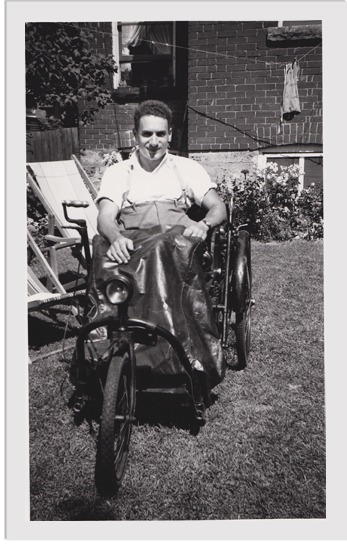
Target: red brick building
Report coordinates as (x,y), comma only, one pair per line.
(225,83)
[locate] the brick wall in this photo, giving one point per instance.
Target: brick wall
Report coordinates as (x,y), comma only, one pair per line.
(235,87)
(112,127)
(237,76)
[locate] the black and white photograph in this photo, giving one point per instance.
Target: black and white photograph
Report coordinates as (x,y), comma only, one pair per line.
(174,324)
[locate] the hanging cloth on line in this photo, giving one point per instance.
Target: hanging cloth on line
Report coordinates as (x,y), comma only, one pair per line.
(290,102)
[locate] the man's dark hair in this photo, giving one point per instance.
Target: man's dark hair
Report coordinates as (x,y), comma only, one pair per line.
(152,108)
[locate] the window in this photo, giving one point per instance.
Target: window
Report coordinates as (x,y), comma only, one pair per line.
(297,23)
(145,53)
(311,164)
(295,30)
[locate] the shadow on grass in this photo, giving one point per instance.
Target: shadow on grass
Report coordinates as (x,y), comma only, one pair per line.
(49,326)
(152,409)
(168,410)
(65,277)
(81,509)
(236,367)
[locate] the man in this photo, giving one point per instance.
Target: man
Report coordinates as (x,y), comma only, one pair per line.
(154,176)
(147,235)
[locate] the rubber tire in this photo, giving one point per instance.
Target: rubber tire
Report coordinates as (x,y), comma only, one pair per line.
(243,337)
(243,329)
(114,436)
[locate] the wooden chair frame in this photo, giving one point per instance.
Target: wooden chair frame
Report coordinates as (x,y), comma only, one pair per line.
(53,182)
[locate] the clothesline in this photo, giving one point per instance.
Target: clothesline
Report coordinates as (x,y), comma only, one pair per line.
(246,133)
(228,56)
(214,118)
(224,55)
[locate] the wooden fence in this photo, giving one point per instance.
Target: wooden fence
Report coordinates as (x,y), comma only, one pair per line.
(54,145)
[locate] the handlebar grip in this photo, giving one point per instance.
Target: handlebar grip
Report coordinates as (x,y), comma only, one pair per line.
(76,203)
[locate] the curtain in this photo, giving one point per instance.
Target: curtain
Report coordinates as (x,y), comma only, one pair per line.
(162,35)
(131,36)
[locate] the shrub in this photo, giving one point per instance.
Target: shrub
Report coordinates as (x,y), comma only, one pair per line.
(111,158)
(36,213)
(271,206)
(310,204)
(37,221)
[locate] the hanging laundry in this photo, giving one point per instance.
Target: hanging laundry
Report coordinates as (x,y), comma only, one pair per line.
(290,102)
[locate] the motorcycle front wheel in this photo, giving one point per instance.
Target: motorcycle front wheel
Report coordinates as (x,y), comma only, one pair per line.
(115,427)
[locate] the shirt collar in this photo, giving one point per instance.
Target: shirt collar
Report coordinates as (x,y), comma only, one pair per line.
(135,164)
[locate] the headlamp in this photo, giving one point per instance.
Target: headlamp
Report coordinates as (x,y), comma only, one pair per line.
(119,290)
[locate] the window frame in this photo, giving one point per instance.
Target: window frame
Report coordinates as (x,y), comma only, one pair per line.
(300,23)
(120,58)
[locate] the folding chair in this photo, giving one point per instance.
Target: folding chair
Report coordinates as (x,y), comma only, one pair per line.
(56,181)
(39,296)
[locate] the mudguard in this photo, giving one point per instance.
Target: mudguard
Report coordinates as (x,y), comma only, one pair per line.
(241,282)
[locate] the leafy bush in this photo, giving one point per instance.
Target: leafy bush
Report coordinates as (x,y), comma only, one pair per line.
(271,206)
(37,220)
(111,158)
(310,204)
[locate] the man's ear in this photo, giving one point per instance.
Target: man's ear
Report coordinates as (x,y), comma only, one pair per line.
(135,133)
(170,134)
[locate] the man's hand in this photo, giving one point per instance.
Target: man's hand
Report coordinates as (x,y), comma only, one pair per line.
(119,250)
(198,229)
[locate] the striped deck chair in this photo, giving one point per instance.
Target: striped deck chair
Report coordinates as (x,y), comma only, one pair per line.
(39,296)
(55,181)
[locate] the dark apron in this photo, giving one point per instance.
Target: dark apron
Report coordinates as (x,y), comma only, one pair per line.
(169,288)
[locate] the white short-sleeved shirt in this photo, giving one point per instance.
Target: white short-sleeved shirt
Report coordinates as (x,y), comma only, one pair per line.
(159,185)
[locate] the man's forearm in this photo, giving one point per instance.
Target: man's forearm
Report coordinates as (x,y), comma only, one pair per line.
(216,215)
(108,228)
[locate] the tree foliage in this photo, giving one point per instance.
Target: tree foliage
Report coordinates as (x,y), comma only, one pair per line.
(61,68)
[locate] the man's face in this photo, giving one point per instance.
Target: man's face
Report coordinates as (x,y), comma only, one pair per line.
(153,137)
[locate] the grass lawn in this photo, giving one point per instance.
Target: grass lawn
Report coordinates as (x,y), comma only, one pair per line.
(261,454)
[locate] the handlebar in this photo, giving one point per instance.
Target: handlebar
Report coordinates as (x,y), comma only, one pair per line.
(76,204)
(81,226)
